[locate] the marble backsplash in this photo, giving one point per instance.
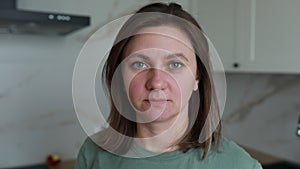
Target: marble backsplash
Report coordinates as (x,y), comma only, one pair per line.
(262,112)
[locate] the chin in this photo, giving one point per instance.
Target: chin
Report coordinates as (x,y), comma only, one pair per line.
(166,116)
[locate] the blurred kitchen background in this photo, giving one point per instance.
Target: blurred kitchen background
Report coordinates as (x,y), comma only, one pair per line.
(258,42)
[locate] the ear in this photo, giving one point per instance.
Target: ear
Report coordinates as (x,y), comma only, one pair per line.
(196,84)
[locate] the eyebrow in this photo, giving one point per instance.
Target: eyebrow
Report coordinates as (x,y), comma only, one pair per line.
(170,56)
(180,55)
(139,55)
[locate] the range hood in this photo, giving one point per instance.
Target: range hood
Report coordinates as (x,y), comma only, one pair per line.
(13,20)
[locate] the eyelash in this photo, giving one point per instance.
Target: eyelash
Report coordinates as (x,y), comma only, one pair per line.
(179,65)
(138,65)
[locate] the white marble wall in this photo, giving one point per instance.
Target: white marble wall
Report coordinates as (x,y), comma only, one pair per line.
(37,116)
(262,113)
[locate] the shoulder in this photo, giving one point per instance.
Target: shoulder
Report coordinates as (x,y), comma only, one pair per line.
(233,156)
(87,154)
(229,147)
(89,145)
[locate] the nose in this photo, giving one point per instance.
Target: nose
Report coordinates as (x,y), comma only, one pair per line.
(157,80)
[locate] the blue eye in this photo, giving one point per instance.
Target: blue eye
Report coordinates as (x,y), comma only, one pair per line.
(139,65)
(176,65)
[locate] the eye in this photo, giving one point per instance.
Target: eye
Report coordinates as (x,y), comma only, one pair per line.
(175,65)
(139,65)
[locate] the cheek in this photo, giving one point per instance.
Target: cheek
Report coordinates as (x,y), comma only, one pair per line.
(186,83)
(136,87)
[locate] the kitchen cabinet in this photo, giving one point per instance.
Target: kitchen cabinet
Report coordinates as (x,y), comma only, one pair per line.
(254,35)
(218,21)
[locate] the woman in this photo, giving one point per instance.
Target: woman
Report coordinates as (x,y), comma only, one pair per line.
(161,91)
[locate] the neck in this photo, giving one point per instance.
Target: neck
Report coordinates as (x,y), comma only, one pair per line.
(163,136)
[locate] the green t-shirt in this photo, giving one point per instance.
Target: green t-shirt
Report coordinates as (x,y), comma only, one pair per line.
(228,156)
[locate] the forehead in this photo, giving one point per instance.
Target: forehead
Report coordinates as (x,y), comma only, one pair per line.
(166,38)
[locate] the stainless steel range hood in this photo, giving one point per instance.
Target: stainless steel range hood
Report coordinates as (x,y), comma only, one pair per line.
(13,20)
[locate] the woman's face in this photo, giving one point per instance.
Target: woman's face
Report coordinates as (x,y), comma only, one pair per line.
(159,73)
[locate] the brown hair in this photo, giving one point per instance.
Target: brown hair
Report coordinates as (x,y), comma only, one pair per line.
(205,88)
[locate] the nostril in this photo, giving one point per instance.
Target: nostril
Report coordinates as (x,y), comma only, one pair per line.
(156,80)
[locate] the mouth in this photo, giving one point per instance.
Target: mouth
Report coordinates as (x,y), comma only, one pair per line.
(157,101)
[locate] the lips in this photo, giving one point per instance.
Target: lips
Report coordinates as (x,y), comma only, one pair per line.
(157,102)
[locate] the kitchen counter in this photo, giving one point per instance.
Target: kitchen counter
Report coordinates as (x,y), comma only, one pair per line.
(64,165)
